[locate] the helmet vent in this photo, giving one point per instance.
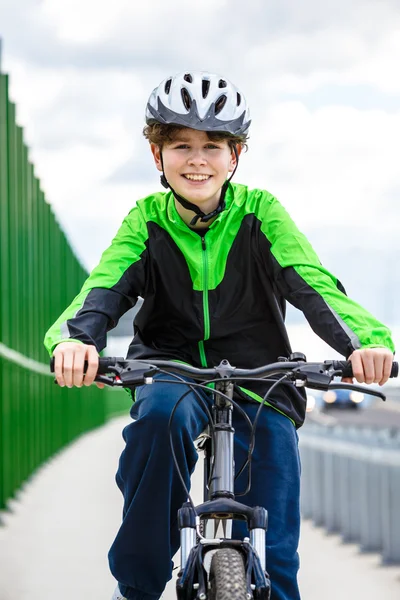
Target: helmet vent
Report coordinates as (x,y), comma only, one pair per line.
(238,99)
(186,99)
(220,103)
(205,86)
(222,83)
(187,77)
(167,86)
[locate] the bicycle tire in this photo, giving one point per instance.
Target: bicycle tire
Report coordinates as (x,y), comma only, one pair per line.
(227,575)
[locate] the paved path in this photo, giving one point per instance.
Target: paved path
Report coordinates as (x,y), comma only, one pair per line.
(54,543)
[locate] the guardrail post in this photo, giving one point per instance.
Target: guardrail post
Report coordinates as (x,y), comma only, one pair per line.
(330,497)
(317,486)
(305,489)
(370,507)
(391,513)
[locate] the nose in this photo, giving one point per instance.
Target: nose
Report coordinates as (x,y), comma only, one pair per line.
(197,157)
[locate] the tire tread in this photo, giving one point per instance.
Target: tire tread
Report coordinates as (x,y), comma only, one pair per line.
(227,575)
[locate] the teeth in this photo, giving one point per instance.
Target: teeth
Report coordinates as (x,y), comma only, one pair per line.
(197,177)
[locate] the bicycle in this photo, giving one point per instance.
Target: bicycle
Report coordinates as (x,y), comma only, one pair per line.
(213,567)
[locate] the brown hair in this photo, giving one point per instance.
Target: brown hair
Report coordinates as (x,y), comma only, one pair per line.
(160,134)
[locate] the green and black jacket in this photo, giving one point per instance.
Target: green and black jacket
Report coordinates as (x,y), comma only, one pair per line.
(218,296)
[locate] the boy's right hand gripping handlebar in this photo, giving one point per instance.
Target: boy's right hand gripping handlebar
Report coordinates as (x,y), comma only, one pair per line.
(347,371)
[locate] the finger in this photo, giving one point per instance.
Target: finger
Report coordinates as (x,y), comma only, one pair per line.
(77,371)
(100,385)
(387,368)
(369,366)
(357,366)
(93,365)
(378,364)
(68,366)
(58,368)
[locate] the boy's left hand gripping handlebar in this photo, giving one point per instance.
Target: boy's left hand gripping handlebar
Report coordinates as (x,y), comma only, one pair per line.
(104,364)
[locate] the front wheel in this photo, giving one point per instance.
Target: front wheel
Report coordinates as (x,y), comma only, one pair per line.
(227,575)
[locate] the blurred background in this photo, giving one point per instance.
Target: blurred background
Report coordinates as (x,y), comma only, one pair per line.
(322,83)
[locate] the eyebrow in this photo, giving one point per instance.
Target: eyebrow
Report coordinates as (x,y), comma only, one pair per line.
(187,140)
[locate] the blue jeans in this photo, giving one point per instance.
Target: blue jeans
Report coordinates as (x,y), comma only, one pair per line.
(140,557)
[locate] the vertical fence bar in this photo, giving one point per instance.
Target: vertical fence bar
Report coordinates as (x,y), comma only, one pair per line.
(5,462)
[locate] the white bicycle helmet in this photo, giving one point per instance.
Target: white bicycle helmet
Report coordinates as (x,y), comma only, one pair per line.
(199,100)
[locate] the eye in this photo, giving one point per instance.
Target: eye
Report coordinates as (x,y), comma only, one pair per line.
(212,147)
(181,147)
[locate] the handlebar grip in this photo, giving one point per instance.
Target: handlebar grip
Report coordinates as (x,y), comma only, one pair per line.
(104,363)
(347,371)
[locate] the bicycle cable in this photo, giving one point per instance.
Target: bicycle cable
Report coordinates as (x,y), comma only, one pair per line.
(253,435)
(192,386)
(220,393)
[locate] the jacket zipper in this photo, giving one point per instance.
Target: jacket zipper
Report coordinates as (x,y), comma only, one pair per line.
(205,304)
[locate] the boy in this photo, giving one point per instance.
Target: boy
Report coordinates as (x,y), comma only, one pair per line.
(214,263)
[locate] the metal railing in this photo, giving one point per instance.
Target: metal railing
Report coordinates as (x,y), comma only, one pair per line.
(351,485)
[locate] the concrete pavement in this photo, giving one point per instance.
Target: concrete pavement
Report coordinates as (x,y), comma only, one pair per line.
(54,543)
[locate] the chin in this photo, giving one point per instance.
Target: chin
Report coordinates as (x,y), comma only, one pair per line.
(199,195)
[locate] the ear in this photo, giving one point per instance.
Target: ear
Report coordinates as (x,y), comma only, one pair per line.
(156,152)
(232,164)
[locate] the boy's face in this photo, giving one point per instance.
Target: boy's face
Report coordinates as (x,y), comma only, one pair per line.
(196,167)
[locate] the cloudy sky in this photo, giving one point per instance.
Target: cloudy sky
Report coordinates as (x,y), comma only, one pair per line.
(322,80)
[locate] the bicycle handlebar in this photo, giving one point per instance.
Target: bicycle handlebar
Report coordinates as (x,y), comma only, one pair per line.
(342,367)
(133,372)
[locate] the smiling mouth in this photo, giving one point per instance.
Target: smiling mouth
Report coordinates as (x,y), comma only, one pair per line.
(196,177)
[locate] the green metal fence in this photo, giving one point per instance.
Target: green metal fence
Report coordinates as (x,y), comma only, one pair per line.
(39,277)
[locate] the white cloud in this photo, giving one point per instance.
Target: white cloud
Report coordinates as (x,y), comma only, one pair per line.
(124,25)
(300,63)
(82,22)
(332,164)
(101,17)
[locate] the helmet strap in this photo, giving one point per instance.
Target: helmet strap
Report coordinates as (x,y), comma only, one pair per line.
(200,215)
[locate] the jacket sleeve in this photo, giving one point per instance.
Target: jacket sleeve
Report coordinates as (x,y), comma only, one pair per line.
(111,289)
(305,283)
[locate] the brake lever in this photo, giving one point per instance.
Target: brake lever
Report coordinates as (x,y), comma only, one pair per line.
(101,379)
(106,380)
(357,388)
(315,378)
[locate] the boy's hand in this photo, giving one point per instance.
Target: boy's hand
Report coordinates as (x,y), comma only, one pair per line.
(371,365)
(69,358)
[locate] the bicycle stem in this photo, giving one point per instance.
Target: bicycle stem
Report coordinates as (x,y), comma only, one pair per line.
(222,485)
